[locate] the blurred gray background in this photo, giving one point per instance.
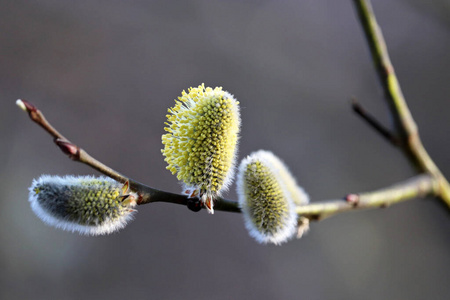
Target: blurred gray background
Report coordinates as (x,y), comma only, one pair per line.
(105,72)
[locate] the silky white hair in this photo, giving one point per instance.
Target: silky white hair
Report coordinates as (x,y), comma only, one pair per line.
(47,205)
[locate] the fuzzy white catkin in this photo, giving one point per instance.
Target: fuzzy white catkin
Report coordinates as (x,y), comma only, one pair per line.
(85,204)
(297,193)
(266,191)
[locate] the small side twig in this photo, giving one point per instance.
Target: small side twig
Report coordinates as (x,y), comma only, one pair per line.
(386,133)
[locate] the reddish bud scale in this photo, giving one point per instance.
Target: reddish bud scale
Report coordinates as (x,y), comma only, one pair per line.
(352,199)
(67,147)
(30,107)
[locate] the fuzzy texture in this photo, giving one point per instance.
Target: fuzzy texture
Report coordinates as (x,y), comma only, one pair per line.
(201,143)
(298,194)
(86,204)
(265,200)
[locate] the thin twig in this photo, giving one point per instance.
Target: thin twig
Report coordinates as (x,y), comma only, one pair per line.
(386,133)
(416,187)
(404,122)
(419,186)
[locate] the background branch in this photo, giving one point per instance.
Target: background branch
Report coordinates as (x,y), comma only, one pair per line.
(383,131)
(404,123)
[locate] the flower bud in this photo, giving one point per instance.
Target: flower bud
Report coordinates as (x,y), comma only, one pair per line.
(201,143)
(89,205)
(20,103)
(266,193)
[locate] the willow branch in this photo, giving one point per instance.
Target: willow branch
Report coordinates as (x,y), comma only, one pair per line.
(404,123)
(416,187)
(432,182)
(146,193)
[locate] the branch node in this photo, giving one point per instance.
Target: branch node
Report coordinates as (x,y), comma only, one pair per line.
(352,199)
(73,151)
(140,199)
(194,205)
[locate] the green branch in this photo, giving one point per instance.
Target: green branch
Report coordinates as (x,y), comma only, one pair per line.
(406,128)
(416,187)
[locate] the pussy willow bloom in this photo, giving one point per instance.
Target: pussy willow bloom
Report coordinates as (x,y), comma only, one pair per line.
(201,143)
(86,204)
(297,193)
(266,191)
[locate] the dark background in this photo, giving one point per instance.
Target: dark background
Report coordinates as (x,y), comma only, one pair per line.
(105,72)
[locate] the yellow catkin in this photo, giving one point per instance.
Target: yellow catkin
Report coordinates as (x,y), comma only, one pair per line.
(201,140)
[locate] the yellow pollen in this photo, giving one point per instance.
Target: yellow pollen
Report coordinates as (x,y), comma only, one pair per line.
(202,133)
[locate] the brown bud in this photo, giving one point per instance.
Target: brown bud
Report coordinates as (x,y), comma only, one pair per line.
(25,105)
(68,148)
